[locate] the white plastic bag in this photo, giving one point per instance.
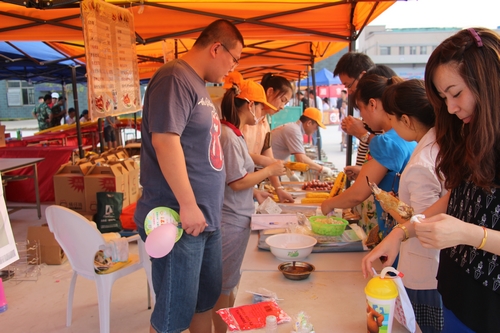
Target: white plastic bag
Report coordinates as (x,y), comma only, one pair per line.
(117,250)
(403,312)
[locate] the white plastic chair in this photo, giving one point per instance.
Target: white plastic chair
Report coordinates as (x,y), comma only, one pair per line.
(80,241)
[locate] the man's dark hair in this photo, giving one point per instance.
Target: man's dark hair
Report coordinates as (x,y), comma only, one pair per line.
(221,31)
(353,64)
(303,119)
(71,110)
(47,97)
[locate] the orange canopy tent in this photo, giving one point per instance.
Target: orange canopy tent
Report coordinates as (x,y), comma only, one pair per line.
(280,36)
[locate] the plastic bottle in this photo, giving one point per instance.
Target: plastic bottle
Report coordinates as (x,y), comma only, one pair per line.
(18,134)
(381,293)
(3,301)
(271,324)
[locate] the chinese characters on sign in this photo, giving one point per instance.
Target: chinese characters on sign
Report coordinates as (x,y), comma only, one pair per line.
(113,76)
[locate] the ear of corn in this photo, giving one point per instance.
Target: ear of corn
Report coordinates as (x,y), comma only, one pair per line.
(317,195)
(297,166)
(339,184)
(312,200)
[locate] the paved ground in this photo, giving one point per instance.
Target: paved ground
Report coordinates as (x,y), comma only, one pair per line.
(331,139)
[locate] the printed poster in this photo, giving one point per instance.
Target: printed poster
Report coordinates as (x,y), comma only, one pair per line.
(112,69)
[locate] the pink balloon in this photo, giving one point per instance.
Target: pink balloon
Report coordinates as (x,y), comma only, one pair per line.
(161,240)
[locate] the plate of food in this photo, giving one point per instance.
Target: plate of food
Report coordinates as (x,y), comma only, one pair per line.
(318,185)
(102,103)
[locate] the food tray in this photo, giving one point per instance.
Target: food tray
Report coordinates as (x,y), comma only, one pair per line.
(294,209)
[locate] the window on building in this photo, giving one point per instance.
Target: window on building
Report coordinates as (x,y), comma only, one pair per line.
(413,50)
(423,49)
(401,50)
(20,93)
(385,50)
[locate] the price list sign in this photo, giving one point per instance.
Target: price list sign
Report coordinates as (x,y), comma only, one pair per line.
(112,71)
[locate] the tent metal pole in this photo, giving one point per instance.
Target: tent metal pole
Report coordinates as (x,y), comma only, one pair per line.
(318,134)
(135,130)
(350,102)
(77,112)
(99,130)
(63,84)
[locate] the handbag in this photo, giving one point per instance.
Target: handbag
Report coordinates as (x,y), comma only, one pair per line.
(109,209)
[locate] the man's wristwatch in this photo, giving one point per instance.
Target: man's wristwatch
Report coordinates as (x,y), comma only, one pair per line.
(364,138)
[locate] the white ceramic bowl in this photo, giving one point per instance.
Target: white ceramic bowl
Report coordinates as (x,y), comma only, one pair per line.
(291,247)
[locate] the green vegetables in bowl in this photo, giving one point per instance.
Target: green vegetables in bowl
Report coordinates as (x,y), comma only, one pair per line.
(328,225)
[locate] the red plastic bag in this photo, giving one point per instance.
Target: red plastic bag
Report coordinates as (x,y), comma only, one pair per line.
(253,316)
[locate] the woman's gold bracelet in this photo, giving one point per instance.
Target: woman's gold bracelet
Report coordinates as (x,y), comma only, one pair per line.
(483,242)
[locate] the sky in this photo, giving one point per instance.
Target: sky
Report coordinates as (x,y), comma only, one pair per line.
(441,13)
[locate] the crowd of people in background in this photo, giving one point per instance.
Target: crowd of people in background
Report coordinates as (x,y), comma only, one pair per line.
(50,110)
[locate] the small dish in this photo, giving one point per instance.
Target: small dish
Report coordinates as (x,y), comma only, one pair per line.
(296,270)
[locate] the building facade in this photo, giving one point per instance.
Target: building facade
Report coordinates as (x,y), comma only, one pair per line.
(406,51)
(18,98)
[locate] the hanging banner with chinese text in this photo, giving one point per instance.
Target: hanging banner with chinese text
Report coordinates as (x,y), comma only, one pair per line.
(113,75)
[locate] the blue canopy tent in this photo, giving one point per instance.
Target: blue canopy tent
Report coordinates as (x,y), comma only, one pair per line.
(323,78)
(37,62)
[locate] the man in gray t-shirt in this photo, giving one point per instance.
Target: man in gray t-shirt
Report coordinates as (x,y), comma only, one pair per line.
(182,167)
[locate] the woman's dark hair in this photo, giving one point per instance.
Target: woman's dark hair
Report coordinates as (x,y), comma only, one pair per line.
(468,151)
(373,86)
(326,100)
(409,98)
(231,104)
(382,70)
(279,84)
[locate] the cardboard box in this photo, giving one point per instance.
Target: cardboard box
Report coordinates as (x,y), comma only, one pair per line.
(121,153)
(2,136)
(102,179)
(133,180)
(125,187)
(69,187)
(51,251)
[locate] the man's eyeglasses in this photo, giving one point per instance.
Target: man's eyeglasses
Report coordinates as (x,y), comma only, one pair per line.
(352,83)
(236,61)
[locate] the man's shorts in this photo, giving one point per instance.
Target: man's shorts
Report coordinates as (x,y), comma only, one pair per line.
(186,281)
(109,134)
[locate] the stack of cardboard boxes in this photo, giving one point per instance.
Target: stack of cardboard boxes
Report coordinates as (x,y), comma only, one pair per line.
(76,185)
